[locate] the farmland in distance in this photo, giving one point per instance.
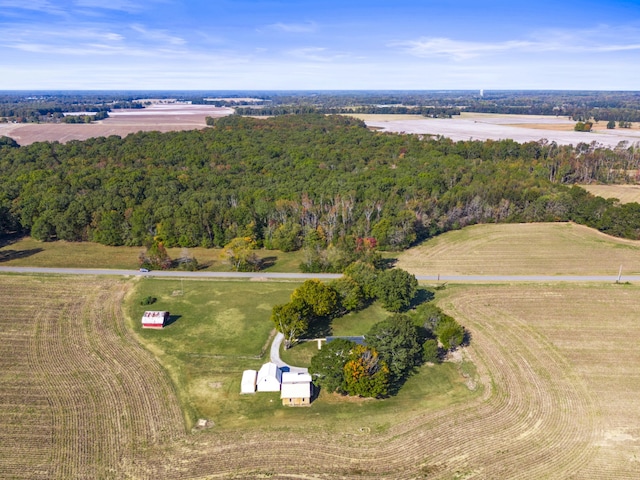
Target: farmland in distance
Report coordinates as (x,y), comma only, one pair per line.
(624,193)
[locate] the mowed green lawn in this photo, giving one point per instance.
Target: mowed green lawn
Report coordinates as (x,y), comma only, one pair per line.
(523,249)
(220,328)
(27,252)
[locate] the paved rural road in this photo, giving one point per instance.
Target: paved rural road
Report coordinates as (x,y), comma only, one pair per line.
(302,276)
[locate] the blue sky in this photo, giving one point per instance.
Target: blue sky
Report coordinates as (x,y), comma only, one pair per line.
(303,44)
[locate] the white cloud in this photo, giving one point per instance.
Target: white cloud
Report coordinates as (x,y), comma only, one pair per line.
(295,27)
(44,6)
(158,35)
(123,5)
(315,54)
(458,50)
(599,40)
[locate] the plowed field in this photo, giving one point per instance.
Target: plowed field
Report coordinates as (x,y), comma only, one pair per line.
(80,398)
(558,364)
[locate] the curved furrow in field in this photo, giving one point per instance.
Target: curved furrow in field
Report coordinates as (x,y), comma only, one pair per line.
(89,397)
(561,438)
(534,422)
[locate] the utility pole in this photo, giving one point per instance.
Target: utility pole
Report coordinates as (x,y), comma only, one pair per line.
(619,274)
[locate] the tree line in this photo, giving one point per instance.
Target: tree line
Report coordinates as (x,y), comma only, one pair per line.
(325,184)
(391,349)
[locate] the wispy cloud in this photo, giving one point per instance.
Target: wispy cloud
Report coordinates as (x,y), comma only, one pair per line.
(158,35)
(295,27)
(110,5)
(88,40)
(601,40)
(458,50)
(315,54)
(43,6)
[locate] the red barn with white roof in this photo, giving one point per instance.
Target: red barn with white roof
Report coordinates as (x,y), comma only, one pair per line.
(154,319)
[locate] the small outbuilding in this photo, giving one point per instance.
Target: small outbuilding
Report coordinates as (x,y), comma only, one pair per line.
(248,384)
(297,389)
(154,319)
(269,378)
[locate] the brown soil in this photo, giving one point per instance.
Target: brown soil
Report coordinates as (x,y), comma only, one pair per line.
(162,118)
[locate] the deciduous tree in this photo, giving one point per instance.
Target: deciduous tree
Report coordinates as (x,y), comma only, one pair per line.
(327,366)
(290,319)
(365,373)
(397,341)
(240,253)
(322,299)
(396,289)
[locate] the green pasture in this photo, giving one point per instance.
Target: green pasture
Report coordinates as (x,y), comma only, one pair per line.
(27,252)
(220,328)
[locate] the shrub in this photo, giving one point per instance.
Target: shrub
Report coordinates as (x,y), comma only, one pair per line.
(148,300)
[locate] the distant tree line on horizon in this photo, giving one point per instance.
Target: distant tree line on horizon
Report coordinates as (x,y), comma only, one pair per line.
(324,184)
(579,105)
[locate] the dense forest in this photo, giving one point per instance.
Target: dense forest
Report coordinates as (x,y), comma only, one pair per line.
(292,181)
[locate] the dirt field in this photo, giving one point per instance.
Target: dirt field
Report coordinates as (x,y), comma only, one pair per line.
(624,193)
(523,249)
(468,126)
(565,371)
(81,399)
(157,117)
(521,128)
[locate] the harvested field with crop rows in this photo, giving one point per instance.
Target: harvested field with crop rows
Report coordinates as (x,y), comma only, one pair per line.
(556,365)
(523,249)
(624,193)
(80,398)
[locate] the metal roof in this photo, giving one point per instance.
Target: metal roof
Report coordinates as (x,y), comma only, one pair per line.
(296,390)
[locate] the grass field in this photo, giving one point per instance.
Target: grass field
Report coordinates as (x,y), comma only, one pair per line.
(224,328)
(624,193)
(523,249)
(219,329)
(551,392)
(26,251)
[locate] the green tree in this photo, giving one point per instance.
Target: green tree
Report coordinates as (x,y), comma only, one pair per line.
(396,289)
(365,373)
(327,366)
(108,229)
(290,319)
(155,256)
(431,351)
(43,229)
(350,294)
(583,126)
(240,253)
(450,333)
(322,299)
(287,237)
(365,275)
(8,142)
(611,124)
(397,341)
